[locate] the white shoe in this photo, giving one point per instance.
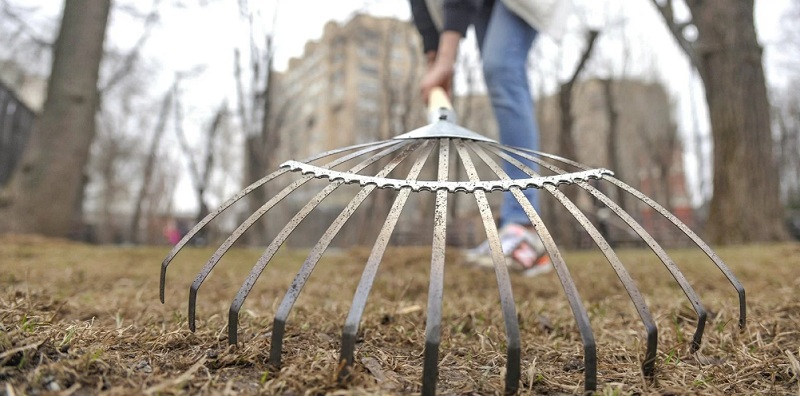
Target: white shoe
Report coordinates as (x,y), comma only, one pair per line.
(523,250)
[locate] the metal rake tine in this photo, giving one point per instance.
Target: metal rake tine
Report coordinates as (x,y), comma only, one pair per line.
(696,239)
(501,273)
(189,235)
(664,212)
(662,255)
(261,264)
(433,324)
(531,156)
(371,268)
(279,323)
(669,216)
(177,248)
(562,271)
(648,365)
(217,256)
(691,295)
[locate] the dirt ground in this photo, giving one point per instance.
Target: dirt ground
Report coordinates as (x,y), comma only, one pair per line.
(79,319)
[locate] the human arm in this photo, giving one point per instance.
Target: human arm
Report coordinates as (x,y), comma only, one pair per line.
(441,48)
(426,26)
(441,64)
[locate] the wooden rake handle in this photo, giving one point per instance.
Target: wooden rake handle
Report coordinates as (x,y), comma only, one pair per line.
(439,106)
(438,99)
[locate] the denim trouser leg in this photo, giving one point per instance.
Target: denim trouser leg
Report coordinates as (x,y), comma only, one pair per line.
(504,40)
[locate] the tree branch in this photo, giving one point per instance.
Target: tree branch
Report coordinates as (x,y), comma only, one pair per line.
(130,59)
(676,28)
(587,52)
(9,11)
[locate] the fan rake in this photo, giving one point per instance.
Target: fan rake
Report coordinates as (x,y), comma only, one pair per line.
(444,140)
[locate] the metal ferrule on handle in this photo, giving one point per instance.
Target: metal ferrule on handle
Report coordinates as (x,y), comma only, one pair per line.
(439,107)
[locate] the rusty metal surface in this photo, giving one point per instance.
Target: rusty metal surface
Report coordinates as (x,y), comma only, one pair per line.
(468,186)
(562,271)
(501,273)
(691,295)
(443,128)
(473,151)
(366,148)
(648,365)
(433,325)
(371,268)
(261,264)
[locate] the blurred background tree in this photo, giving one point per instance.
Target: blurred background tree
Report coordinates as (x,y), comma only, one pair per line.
(45,193)
(727,54)
(154,151)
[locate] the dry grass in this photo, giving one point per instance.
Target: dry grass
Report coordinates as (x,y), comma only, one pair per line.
(78,319)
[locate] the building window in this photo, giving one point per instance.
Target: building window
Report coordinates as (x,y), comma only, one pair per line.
(368,51)
(337,94)
(338,55)
(367,127)
(368,105)
(368,70)
(368,88)
(398,55)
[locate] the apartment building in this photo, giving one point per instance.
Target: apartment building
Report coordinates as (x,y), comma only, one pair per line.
(627,126)
(357,83)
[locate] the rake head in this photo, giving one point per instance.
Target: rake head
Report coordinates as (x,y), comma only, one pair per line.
(445,141)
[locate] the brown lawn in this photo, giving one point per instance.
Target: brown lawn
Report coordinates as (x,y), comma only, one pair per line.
(79,319)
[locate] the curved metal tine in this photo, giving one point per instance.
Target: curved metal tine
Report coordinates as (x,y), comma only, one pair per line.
(696,239)
(252,219)
(648,365)
(539,161)
(261,264)
(657,249)
(501,273)
(433,325)
(662,255)
(279,324)
(669,216)
(189,235)
(567,283)
(371,268)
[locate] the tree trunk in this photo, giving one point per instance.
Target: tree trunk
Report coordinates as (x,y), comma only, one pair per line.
(745,206)
(43,195)
(565,230)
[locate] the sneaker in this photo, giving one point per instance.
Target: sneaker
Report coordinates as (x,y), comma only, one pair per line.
(523,250)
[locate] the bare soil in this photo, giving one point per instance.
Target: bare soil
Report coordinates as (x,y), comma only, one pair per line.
(79,319)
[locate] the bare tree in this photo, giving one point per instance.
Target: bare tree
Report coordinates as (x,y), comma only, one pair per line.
(566,141)
(728,58)
(113,153)
(260,119)
(150,166)
(22,42)
(45,192)
(118,149)
(787,120)
(200,169)
(399,106)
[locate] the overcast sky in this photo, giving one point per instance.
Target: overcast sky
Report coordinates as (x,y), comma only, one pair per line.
(299,21)
(191,35)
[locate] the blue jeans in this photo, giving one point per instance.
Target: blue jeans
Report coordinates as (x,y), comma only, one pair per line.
(504,40)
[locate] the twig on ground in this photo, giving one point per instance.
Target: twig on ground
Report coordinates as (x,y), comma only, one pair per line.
(187,375)
(11,352)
